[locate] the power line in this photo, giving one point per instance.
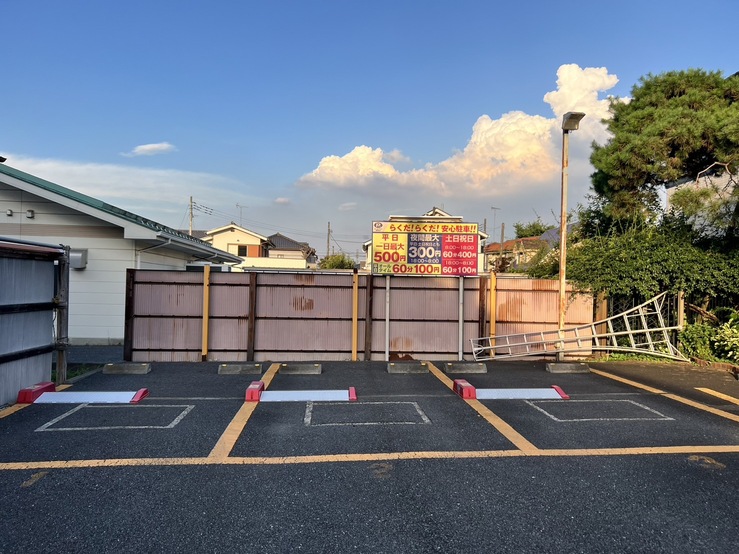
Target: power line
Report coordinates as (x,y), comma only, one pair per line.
(344,237)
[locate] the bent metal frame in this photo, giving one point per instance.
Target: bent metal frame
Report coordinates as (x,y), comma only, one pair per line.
(641,329)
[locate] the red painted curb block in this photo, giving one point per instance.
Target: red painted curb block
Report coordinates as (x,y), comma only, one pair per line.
(30,394)
(562,393)
(352,394)
(254,391)
(464,389)
(139,396)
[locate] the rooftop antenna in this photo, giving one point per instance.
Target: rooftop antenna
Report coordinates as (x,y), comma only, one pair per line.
(241,214)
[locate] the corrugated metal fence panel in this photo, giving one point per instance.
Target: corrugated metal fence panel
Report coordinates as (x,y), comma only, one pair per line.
(424,317)
(532,306)
(229,317)
(20,374)
(303,316)
(229,295)
(25,281)
(536,301)
(167,324)
(308,316)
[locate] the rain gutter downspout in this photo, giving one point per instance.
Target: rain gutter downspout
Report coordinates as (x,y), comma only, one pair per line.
(138,252)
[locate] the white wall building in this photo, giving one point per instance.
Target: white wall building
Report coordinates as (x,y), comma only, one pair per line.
(105,241)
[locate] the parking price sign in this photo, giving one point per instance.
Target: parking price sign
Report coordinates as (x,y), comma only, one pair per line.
(422,248)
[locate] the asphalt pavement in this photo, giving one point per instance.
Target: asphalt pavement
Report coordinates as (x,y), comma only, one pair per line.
(640,458)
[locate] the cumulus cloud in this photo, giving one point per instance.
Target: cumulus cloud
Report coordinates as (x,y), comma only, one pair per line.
(577,90)
(363,165)
(150,150)
(282,201)
(347,206)
(502,155)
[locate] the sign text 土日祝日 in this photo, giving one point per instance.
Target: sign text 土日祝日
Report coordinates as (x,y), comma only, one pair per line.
(424,248)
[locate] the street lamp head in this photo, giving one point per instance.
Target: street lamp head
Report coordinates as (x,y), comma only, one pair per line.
(571,121)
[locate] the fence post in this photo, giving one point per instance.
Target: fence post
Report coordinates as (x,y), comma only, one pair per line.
(493,310)
(601,314)
(387,318)
(206,313)
(368,318)
(62,318)
(460,345)
(129,315)
(482,305)
(252,325)
(355,313)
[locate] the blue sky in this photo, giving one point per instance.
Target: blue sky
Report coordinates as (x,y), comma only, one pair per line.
(287,115)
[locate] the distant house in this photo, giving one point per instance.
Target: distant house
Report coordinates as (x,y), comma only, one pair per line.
(257,251)
(104,241)
(239,241)
(286,248)
(513,254)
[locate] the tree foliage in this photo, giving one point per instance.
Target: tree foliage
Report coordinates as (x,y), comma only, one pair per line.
(336,261)
(531,229)
(675,126)
(644,262)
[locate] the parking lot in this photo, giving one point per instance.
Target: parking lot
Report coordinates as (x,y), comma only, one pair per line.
(615,463)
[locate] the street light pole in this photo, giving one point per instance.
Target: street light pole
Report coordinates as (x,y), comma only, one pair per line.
(570,122)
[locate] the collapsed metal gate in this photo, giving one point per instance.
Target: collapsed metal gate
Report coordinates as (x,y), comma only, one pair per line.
(643,329)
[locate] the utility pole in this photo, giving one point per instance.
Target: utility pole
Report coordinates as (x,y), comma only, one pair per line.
(191,216)
(502,238)
(495,213)
(328,240)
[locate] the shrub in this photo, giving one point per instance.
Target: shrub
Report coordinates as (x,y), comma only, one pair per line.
(726,340)
(696,341)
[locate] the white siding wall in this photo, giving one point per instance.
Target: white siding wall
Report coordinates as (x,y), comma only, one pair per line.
(96,293)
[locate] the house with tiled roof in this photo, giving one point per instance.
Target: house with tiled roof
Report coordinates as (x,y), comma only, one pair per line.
(259,252)
(288,249)
(105,241)
(514,253)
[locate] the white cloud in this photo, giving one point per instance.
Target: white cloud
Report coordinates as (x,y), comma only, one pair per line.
(362,165)
(503,156)
(511,161)
(158,194)
(577,90)
(150,150)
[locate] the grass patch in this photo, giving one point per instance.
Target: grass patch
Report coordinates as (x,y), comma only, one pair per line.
(76,370)
(627,357)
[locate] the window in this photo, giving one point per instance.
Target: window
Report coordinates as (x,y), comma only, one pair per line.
(242,251)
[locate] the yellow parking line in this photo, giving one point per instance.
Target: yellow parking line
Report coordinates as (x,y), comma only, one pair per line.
(720,395)
(675,397)
(5,412)
(491,417)
(626,381)
(232,433)
(368,457)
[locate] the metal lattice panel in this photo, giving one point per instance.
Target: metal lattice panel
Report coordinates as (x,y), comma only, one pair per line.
(641,329)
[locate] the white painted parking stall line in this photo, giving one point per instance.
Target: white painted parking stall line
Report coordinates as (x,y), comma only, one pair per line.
(573,409)
(50,425)
(357,408)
